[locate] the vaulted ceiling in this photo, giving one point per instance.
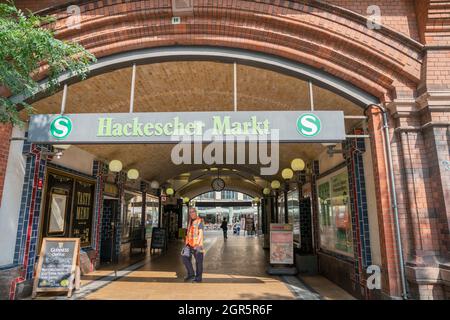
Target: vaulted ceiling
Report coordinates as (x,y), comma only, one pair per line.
(194,86)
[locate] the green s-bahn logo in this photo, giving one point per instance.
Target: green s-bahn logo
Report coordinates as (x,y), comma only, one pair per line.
(60,127)
(309,125)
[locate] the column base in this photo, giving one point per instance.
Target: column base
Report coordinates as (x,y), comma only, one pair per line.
(429,282)
(282,270)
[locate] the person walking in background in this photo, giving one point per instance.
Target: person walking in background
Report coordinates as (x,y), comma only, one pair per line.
(194,247)
(224,227)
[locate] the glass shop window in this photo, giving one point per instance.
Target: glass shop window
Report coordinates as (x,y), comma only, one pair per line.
(335,217)
(151,215)
(132,214)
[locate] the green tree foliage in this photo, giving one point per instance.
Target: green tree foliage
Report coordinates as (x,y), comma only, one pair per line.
(25,46)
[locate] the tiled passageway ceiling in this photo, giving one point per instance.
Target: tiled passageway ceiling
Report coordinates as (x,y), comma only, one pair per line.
(192,86)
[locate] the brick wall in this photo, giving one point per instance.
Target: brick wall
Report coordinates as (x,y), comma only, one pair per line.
(436,71)
(424,133)
(391,285)
(384,63)
(5,136)
(434,20)
(34,5)
(399,15)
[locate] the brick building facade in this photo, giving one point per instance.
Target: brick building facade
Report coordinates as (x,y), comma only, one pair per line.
(404,62)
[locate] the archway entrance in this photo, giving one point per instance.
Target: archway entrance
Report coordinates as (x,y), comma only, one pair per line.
(401,62)
(235,99)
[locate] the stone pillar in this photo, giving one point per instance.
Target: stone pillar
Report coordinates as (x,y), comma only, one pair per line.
(390,272)
(100,170)
(121,180)
(144,190)
(267,220)
(423,133)
(353,154)
(276,210)
(306,233)
(315,205)
(429,270)
(27,241)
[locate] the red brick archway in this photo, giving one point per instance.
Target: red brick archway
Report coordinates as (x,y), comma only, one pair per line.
(388,63)
(383,62)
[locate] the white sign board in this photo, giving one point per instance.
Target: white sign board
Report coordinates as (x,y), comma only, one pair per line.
(169,127)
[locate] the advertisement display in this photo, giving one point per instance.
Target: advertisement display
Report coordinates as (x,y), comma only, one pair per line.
(83,203)
(334,218)
(281,243)
(68,206)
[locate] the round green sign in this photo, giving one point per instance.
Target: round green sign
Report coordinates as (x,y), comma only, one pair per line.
(309,125)
(60,127)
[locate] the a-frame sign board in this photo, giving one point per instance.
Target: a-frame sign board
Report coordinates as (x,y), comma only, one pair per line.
(58,268)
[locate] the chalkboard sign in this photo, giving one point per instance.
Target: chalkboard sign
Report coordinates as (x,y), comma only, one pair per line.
(159,238)
(59,266)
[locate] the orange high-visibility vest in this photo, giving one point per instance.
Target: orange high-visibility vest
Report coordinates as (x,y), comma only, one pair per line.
(192,238)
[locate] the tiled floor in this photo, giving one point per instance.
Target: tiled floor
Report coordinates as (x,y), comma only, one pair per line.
(326,289)
(233,270)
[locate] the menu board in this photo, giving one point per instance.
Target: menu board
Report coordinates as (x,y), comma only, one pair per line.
(58,266)
(159,238)
(281,244)
(82,217)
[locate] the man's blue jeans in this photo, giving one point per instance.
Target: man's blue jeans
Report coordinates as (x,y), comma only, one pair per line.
(187,261)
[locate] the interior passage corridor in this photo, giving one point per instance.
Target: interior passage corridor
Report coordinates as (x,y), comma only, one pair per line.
(233,269)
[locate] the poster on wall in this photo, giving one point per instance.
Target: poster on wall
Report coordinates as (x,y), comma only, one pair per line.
(335,219)
(83,205)
(281,243)
(341,212)
(57,206)
(57,212)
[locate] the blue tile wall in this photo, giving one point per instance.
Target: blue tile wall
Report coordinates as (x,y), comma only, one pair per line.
(99,170)
(27,200)
(354,150)
(25,208)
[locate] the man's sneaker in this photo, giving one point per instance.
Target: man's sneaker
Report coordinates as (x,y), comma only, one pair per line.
(188,278)
(196,280)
